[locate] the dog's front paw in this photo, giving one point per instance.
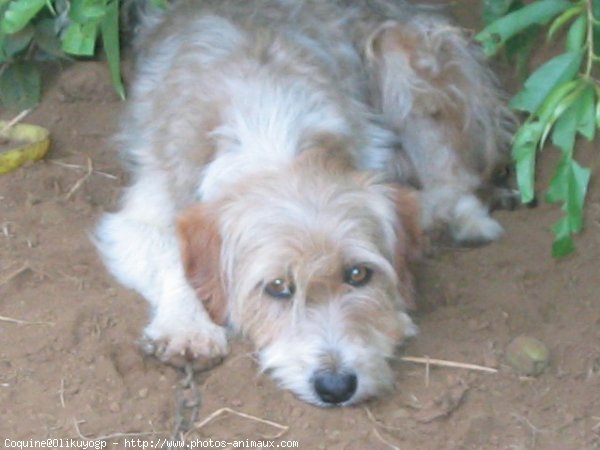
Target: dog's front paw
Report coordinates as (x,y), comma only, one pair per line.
(472,225)
(203,347)
(477,230)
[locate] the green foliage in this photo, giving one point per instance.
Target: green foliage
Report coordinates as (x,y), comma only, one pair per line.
(560,99)
(38,30)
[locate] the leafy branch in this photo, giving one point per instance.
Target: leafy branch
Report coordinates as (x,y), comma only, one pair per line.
(32,31)
(561,98)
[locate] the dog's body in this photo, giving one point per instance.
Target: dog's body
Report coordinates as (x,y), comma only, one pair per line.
(252,148)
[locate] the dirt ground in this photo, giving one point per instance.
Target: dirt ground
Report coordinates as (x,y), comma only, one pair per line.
(70,366)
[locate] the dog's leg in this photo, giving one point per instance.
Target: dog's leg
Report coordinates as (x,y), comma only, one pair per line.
(468,219)
(140,248)
(433,89)
(448,186)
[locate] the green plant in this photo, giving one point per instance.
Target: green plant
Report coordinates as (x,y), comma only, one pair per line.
(36,30)
(561,98)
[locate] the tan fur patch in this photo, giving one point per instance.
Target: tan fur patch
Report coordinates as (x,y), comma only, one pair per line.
(200,250)
(409,249)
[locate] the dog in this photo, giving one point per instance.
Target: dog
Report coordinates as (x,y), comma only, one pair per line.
(270,144)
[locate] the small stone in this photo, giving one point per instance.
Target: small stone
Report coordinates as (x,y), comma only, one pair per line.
(527,355)
(114,407)
(143,393)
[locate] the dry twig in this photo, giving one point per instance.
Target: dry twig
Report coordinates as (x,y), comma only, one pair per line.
(226,410)
(11,123)
(24,322)
(108,436)
(15,273)
(384,441)
(61,393)
(377,422)
(79,183)
(443,363)
(83,168)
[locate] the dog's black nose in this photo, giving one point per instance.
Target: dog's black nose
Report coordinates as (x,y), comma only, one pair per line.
(333,387)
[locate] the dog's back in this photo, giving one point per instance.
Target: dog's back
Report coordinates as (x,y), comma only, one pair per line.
(267,77)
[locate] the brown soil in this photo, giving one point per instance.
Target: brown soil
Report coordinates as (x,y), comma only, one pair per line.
(70,365)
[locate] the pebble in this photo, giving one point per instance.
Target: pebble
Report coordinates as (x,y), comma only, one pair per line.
(527,355)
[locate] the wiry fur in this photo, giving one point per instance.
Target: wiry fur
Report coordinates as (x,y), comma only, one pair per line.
(251,141)
(434,90)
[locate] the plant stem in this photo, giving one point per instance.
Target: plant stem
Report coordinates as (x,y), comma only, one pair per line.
(591,56)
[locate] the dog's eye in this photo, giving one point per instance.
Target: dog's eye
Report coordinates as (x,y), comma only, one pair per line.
(358,275)
(280,288)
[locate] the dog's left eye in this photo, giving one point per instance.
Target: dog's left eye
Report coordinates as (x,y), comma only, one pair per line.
(280,288)
(358,275)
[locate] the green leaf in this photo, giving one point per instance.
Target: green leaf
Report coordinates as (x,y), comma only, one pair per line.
(159,4)
(598,107)
(16,42)
(20,13)
(46,38)
(584,108)
(496,34)
(579,178)
(557,102)
(563,243)
(569,185)
(50,7)
(558,70)
(563,135)
(558,23)
(558,187)
(524,154)
(494,9)
(84,11)
(20,86)
(576,34)
(519,47)
(596,14)
(80,39)
(110,38)
(554,98)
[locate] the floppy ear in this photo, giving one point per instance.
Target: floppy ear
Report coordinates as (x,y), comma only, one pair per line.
(410,240)
(200,246)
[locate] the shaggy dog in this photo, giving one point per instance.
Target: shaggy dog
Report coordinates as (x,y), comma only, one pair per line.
(265,142)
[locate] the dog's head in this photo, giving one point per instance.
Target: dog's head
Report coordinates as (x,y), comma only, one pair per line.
(312,263)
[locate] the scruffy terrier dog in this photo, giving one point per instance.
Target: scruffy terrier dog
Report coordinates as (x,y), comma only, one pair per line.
(267,142)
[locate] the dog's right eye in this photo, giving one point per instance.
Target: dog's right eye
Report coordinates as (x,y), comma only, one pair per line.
(280,288)
(358,275)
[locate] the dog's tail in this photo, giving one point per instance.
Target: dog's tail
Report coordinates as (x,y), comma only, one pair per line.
(424,65)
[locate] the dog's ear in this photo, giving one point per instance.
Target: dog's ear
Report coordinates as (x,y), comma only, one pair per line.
(200,245)
(410,240)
